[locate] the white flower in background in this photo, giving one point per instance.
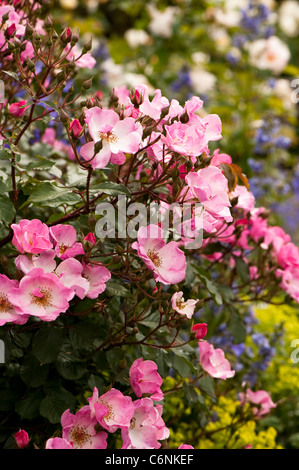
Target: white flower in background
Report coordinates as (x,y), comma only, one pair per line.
(282,89)
(289,18)
(202,81)
(69,4)
(162,21)
(229,15)
(117,76)
(269,54)
(220,37)
(137,37)
(200,58)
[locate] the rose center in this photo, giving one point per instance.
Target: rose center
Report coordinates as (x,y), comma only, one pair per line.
(108,136)
(42,297)
(154,257)
(78,436)
(4,303)
(110,414)
(62,249)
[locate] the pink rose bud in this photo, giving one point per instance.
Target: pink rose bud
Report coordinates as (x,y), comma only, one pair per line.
(18,109)
(200,330)
(99,95)
(10,30)
(76,128)
(90,238)
(185,446)
(136,98)
(22,438)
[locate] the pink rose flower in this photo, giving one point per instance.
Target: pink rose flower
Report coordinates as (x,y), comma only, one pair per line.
(70,272)
(113,410)
(117,136)
(40,294)
(22,438)
(167,261)
(79,430)
(65,241)
(45,261)
(97,277)
(260,398)
(146,428)
(213,361)
(186,139)
(145,379)
(58,443)
(184,308)
(8,312)
(151,108)
(31,236)
(185,446)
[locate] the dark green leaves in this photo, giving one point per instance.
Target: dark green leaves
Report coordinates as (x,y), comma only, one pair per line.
(47,343)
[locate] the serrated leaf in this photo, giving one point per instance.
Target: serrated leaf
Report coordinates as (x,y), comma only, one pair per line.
(111,189)
(55,403)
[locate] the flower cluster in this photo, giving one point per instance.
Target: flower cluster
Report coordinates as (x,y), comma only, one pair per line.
(52,275)
(140,421)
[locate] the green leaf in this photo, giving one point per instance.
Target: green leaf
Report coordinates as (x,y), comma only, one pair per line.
(40,164)
(83,335)
(55,403)
(112,189)
(14,75)
(7,210)
(47,194)
(69,366)
(28,407)
(182,365)
(32,372)
(210,286)
(47,343)
(206,384)
(115,289)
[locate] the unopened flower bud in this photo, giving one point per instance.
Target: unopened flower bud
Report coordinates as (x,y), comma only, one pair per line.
(184,118)
(66,36)
(10,31)
(87,46)
(75,37)
(63,116)
(22,438)
(76,128)
(48,23)
(87,84)
(200,330)
(18,109)
(28,31)
(90,238)
(5,17)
